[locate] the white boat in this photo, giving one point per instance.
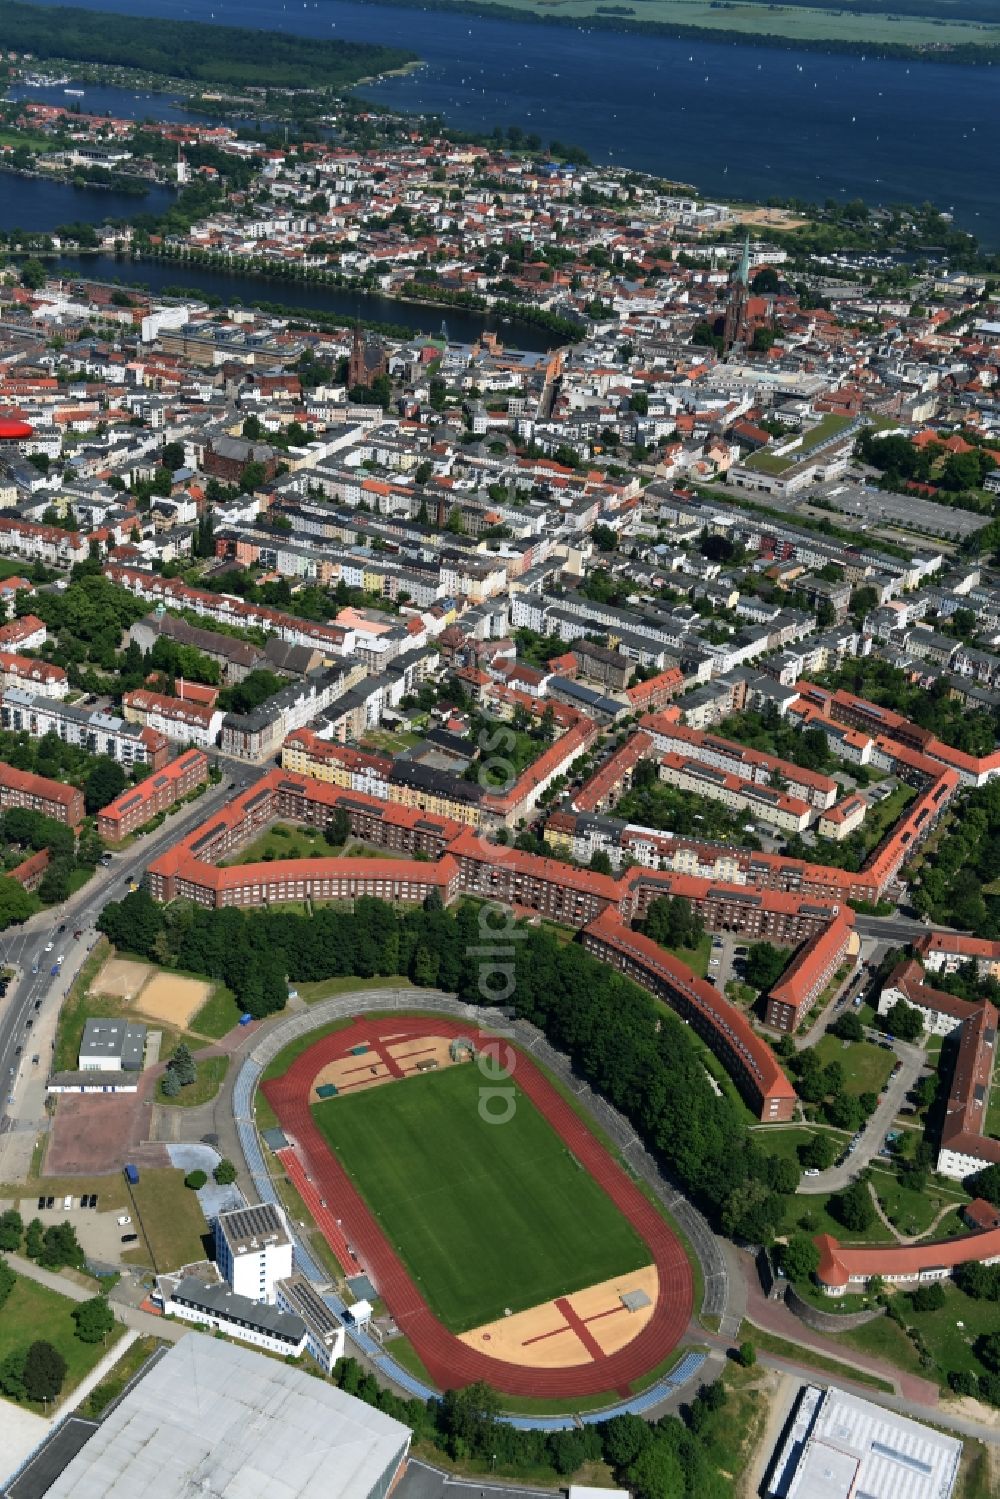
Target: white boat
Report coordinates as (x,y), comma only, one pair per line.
(74,93)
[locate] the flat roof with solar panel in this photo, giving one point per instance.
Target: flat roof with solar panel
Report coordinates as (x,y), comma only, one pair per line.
(253,1227)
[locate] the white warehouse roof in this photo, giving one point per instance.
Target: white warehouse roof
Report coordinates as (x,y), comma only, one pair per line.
(857,1448)
(211,1418)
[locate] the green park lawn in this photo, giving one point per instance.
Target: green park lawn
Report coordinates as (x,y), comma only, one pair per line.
(218,1014)
(811,1215)
(33,1311)
(283,842)
(210,1074)
(784,1144)
(866,1066)
(696,958)
(949,1345)
(389,741)
(913,1212)
(485,1216)
(320,989)
(993,1111)
(170,1220)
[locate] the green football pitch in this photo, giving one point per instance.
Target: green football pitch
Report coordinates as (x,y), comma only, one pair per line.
(484,1216)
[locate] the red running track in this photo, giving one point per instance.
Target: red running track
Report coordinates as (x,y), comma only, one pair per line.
(450,1362)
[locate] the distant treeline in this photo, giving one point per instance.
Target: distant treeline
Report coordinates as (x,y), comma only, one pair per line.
(965,52)
(225,55)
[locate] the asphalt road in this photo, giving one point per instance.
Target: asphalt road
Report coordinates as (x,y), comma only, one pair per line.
(24,946)
(913,1060)
(894,929)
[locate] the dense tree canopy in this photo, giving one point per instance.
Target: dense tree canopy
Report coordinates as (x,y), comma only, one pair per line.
(642,1059)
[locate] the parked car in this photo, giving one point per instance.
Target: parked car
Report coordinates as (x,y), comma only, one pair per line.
(129,1238)
(123,1219)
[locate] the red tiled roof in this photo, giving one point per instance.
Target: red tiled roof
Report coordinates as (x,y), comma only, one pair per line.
(839,1262)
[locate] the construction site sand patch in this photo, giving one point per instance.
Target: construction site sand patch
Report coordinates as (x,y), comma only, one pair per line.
(540,1338)
(173,1000)
(121,978)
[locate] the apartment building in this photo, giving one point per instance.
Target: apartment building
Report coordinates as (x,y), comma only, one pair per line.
(819,791)
(157,793)
(97,733)
(176,718)
(25,634)
(940,1012)
(965,1146)
(747,1058)
(21,788)
(31,675)
(809,972)
(763,803)
(945,952)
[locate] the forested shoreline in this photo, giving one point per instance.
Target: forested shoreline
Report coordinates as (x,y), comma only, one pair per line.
(968,53)
(194,50)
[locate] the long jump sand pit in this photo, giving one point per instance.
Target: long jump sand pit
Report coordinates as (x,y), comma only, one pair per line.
(121,978)
(383,1061)
(173,1000)
(561,1333)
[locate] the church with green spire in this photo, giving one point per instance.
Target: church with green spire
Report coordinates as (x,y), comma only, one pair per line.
(745,313)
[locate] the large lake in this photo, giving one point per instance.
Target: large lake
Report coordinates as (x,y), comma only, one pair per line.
(38,203)
(743,121)
(349,305)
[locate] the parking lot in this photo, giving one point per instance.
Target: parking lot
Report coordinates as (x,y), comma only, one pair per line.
(97,1229)
(728,950)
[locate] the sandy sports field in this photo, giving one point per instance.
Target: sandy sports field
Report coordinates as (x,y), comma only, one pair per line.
(121,978)
(173,1000)
(571,1329)
(385,1061)
(165,997)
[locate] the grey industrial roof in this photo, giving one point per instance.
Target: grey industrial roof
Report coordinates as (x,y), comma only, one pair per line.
(311,1307)
(219,1301)
(212,1418)
(114,1038)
